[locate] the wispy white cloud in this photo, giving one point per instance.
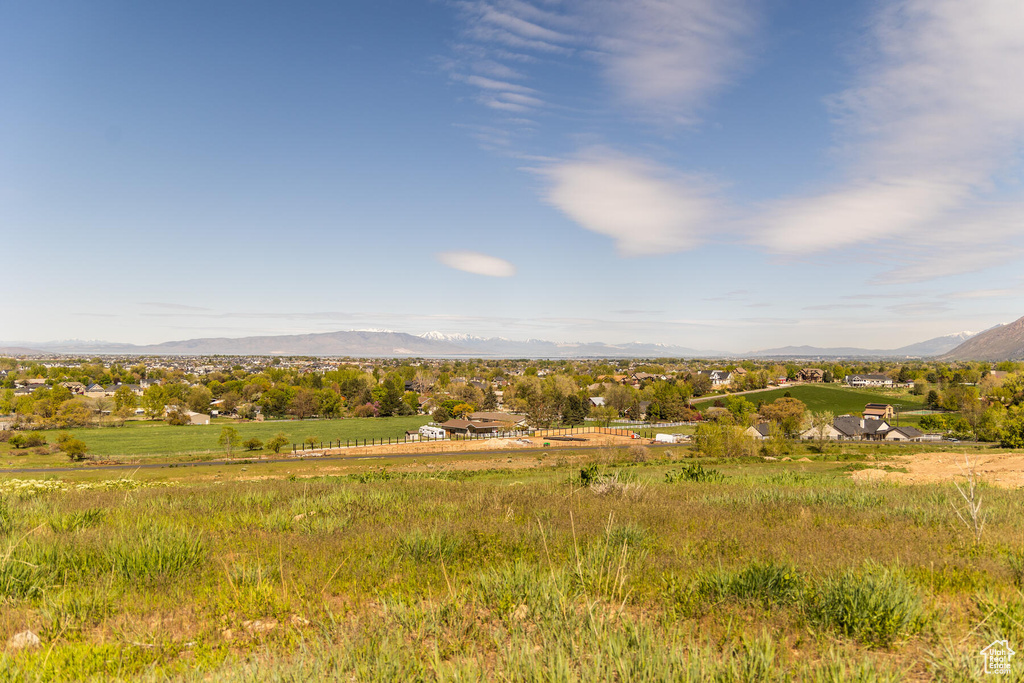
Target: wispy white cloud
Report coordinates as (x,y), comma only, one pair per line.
(661,59)
(665,58)
(477,263)
(934,119)
(645,208)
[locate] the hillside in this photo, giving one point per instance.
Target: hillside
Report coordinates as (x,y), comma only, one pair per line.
(1005,342)
(837,399)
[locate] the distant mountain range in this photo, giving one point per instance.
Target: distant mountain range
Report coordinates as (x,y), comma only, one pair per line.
(386,343)
(931,347)
(1002,342)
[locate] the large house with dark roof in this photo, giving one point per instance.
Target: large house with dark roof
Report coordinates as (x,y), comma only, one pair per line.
(853,428)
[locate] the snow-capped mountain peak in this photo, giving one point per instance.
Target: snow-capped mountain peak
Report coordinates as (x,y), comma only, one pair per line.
(435,335)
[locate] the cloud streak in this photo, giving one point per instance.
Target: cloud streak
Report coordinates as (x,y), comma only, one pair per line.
(477,263)
(661,60)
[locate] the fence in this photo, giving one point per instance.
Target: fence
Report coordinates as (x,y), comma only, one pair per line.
(646,433)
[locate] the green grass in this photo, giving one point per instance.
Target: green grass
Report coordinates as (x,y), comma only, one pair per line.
(774,572)
(159,438)
(839,400)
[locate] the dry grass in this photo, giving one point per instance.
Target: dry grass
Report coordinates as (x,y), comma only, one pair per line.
(521,575)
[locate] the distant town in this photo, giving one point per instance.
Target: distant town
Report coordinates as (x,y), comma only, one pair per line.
(915,401)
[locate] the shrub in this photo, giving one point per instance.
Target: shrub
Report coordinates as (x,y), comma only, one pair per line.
(278,442)
(874,605)
(589,474)
(75,449)
(638,453)
(178,418)
(253,444)
(695,473)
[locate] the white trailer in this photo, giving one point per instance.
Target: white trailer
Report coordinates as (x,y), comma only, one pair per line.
(428,432)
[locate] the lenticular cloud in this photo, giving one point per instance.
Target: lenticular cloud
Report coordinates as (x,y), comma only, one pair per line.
(477,263)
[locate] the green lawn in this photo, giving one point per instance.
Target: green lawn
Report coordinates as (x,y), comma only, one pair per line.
(159,438)
(839,400)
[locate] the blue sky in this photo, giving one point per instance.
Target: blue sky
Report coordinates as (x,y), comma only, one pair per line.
(724,174)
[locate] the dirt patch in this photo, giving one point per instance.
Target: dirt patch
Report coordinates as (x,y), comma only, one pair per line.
(998,469)
(468,446)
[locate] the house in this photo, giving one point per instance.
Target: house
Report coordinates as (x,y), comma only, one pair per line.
(852,428)
(879,411)
(828,433)
(97,391)
(719,378)
(502,420)
(198,418)
(759,432)
(849,428)
(470,427)
(904,434)
(597,401)
(76,388)
(811,375)
(868,380)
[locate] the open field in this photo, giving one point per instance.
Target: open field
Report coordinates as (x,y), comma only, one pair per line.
(159,438)
(839,400)
(641,566)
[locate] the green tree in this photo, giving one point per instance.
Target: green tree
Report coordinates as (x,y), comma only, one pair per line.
(330,404)
(253,444)
(278,442)
(461,410)
(154,400)
(604,414)
(388,395)
(229,438)
(125,398)
(198,400)
(73,413)
(788,413)
(304,404)
(490,401)
(575,410)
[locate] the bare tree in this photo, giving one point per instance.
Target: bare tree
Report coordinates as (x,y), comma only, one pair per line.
(970,512)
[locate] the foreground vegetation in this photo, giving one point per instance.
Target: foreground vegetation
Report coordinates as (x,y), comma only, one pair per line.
(627,565)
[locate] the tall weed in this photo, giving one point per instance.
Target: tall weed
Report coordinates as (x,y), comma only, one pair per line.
(872,604)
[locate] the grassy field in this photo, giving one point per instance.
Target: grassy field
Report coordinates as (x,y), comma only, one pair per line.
(839,400)
(635,568)
(159,438)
